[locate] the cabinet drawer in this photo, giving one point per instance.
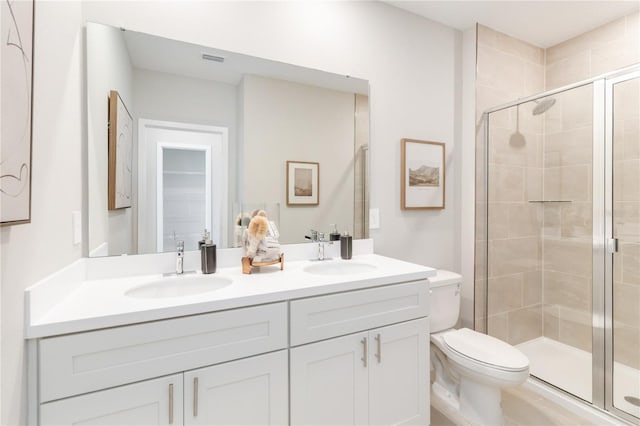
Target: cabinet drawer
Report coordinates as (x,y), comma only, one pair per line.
(322,317)
(151,402)
(85,362)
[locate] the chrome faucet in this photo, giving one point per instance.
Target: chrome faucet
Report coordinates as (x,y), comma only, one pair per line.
(318,237)
(180,258)
(321,242)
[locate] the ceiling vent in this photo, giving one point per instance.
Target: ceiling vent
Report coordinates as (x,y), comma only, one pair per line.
(214,58)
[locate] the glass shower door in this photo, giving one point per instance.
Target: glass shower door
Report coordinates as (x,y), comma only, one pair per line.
(558,237)
(540,234)
(625,282)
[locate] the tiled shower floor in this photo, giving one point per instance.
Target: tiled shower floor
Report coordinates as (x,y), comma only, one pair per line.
(569,368)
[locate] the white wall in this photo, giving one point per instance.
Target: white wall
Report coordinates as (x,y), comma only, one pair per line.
(168,97)
(409,61)
(109,66)
(293,117)
(34,250)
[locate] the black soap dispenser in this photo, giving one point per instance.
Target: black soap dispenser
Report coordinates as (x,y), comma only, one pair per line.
(205,237)
(346,246)
(208,255)
(334,235)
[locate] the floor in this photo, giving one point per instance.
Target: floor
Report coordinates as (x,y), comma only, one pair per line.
(523,407)
(571,371)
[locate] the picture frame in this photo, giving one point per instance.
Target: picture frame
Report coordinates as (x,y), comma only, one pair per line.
(17,112)
(423,175)
(303,183)
(120,153)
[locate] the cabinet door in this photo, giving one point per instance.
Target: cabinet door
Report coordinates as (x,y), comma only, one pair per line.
(329,382)
(152,402)
(251,391)
(399,374)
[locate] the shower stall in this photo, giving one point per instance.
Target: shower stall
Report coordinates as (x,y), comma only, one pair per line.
(558,237)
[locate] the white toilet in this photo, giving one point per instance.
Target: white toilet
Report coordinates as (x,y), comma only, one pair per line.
(471,368)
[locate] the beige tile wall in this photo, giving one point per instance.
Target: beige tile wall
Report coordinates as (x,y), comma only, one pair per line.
(610,47)
(567,226)
(508,69)
(607,48)
(539,255)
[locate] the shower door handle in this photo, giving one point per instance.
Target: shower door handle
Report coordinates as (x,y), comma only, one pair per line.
(612,245)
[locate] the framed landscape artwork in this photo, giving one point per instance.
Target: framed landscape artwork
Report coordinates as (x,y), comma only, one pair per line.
(423,175)
(303,188)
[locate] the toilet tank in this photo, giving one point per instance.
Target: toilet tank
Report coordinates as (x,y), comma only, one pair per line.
(444,300)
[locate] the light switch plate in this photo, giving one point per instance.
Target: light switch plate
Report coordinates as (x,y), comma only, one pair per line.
(374,218)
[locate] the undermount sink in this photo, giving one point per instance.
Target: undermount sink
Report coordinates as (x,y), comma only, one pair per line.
(177,286)
(339,268)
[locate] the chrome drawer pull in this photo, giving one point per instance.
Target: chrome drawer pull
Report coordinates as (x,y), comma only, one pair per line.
(365,351)
(171,404)
(195,397)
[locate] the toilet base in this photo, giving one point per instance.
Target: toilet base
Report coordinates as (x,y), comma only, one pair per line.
(470,386)
(447,407)
(474,402)
(477,405)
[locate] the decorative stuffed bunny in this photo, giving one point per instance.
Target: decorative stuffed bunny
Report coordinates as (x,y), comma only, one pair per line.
(259,244)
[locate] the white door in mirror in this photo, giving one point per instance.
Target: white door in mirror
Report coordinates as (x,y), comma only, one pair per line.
(183,184)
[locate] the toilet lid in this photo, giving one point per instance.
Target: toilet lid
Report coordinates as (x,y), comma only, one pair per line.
(486,349)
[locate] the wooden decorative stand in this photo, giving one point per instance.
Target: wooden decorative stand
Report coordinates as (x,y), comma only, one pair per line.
(248,263)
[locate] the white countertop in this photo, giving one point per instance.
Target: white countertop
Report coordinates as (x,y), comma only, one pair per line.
(98,303)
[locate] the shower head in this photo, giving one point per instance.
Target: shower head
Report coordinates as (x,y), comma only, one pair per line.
(543,105)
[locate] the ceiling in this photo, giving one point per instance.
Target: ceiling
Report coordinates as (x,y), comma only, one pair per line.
(541,23)
(160,54)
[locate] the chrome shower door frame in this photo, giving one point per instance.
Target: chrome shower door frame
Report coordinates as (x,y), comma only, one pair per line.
(602,251)
(607,295)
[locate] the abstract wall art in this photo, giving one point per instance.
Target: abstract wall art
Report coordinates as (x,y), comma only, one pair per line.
(16,94)
(120,153)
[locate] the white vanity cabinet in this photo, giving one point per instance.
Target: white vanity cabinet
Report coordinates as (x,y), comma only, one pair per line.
(329,383)
(251,391)
(353,357)
(156,402)
(399,374)
(378,376)
(136,374)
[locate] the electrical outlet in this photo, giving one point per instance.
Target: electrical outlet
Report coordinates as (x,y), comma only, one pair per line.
(374,218)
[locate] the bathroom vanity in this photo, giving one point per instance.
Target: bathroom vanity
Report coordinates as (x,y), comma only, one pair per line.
(336,342)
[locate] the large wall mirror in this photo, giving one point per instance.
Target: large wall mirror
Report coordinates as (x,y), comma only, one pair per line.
(204,137)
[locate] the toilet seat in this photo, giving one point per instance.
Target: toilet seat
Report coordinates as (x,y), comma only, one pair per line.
(484,349)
